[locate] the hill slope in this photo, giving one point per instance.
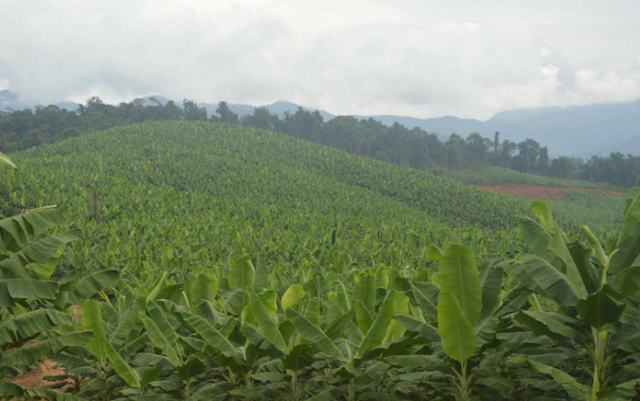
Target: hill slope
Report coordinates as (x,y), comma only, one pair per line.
(177,194)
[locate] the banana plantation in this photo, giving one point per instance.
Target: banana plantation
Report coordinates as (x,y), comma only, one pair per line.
(199,261)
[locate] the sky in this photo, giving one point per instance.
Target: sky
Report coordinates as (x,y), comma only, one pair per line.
(405,57)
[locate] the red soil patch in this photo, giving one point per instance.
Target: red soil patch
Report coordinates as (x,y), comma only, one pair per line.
(541,192)
(35,378)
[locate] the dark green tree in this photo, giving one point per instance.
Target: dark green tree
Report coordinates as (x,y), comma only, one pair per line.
(543,162)
(261,118)
(528,151)
(192,112)
(227,116)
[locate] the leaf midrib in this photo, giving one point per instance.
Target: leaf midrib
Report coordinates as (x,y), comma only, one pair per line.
(462,303)
(455,318)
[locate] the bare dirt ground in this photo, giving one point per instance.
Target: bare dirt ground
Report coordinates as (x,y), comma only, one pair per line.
(34,378)
(541,192)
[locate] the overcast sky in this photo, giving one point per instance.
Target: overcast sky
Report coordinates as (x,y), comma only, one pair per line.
(419,58)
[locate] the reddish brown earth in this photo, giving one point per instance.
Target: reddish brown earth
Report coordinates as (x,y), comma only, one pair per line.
(35,378)
(541,192)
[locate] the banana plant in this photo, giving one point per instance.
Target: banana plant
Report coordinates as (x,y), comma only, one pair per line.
(176,339)
(120,358)
(312,327)
(586,293)
(465,306)
(28,295)
(34,297)
(459,308)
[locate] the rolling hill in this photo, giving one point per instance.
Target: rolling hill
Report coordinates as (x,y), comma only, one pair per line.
(199,249)
(173,188)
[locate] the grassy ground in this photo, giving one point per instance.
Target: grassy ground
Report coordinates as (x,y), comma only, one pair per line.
(499,175)
(592,209)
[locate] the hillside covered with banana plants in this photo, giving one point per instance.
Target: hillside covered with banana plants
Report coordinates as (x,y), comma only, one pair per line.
(199,261)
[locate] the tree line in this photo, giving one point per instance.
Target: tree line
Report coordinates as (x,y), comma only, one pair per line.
(416,148)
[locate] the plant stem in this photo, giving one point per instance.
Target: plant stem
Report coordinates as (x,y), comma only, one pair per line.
(352,390)
(600,343)
(295,385)
(464,384)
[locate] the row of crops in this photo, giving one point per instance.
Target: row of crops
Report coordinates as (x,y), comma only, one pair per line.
(591,208)
(180,197)
(194,261)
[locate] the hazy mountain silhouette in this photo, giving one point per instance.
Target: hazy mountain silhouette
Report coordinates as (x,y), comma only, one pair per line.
(580,131)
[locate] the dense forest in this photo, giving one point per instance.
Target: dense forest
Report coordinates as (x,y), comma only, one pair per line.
(397,144)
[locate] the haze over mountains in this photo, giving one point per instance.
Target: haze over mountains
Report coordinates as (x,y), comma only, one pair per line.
(579,131)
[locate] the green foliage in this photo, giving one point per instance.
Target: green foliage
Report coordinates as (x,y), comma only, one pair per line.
(505,161)
(459,277)
(590,208)
(292,296)
(310,275)
(168,189)
(457,334)
(33,295)
(92,321)
(493,175)
(592,289)
(5,160)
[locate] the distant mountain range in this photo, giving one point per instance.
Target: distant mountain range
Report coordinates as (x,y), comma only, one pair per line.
(11,101)
(277,108)
(580,131)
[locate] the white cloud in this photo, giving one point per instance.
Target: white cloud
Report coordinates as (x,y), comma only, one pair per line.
(611,84)
(350,57)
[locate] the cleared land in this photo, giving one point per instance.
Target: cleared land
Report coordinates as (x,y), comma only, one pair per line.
(533,191)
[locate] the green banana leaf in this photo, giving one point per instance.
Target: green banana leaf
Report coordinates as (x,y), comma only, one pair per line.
(162,334)
(459,277)
(32,323)
(365,292)
(29,357)
(380,325)
(92,321)
(268,327)
(123,370)
(241,273)
(292,296)
(209,334)
(312,333)
(456,332)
